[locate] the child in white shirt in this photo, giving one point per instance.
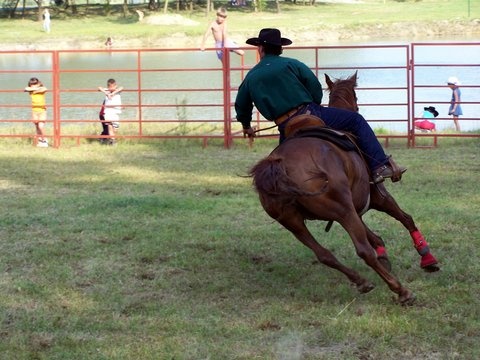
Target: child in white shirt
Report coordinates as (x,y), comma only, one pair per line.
(112,107)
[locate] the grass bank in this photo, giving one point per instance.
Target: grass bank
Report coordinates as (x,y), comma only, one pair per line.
(161,250)
(324,22)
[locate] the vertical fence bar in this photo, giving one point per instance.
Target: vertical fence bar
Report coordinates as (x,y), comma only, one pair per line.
(139,82)
(412,97)
(56,99)
(410,110)
(227,113)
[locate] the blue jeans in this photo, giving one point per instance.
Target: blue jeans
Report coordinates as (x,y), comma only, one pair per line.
(352,122)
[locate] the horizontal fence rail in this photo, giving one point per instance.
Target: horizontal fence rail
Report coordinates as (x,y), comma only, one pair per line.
(187,93)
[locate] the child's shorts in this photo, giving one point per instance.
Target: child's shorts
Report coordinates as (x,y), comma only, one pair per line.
(229,44)
(39,116)
(112,119)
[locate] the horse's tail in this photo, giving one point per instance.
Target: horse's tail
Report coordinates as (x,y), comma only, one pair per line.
(271,178)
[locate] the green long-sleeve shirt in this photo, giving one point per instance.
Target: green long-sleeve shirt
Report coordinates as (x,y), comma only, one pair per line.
(275,86)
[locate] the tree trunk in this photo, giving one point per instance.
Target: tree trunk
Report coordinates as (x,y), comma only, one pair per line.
(40,10)
(71,3)
(207,10)
(74,7)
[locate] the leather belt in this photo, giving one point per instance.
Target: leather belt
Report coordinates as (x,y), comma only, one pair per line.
(280,120)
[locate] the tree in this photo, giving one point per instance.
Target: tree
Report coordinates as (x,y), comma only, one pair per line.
(11,6)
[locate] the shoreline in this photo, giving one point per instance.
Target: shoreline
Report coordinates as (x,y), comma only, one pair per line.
(403,32)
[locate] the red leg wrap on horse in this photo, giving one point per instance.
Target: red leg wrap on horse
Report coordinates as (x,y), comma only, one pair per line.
(381,251)
(419,242)
(427,260)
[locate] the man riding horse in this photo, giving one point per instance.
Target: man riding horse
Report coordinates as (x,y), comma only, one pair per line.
(282,88)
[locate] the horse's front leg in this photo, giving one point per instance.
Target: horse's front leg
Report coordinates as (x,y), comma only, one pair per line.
(298,228)
(381,200)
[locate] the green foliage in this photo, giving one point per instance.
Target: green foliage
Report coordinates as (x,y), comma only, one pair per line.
(181,109)
(161,250)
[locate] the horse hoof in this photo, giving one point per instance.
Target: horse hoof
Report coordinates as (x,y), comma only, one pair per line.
(365,287)
(431,268)
(429,263)
(406,299)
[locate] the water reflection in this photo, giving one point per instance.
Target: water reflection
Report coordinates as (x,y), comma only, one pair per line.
(193,81)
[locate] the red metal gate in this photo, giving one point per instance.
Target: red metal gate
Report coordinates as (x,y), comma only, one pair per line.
(168,101)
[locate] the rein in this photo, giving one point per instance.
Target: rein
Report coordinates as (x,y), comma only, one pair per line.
(264,129)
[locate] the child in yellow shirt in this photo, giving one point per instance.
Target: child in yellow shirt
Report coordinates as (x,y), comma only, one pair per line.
(39,109)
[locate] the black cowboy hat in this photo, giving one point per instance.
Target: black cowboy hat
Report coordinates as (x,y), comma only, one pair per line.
(269,36)
(432,110)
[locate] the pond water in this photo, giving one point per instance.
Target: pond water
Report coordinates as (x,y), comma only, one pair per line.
(166,83)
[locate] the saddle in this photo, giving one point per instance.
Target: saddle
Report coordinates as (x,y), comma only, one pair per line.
(307,125)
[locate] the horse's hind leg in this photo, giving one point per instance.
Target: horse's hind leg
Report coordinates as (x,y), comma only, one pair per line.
(297,227)
(381,200)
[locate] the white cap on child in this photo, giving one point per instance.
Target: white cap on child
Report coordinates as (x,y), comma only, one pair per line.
(453,80)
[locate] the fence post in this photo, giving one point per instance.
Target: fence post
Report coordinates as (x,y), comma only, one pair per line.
(410,97)
(56,100)
(227,113)
(139,82)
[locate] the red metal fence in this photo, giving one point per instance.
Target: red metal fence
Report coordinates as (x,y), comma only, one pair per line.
(185,93)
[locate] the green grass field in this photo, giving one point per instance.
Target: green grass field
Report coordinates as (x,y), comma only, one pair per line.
(161,250)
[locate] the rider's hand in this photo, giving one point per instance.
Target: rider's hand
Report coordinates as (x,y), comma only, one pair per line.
(249,132)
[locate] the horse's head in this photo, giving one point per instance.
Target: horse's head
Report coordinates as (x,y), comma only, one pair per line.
(342,92)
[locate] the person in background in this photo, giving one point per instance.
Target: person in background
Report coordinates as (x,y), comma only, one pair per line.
(101,117)
(455,109)
(112,108)
(46,21)
(426,125)
(218,28)
(39,109)
(109,43)
(282,88)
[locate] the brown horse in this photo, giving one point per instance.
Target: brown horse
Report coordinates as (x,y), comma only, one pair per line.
(309,178)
